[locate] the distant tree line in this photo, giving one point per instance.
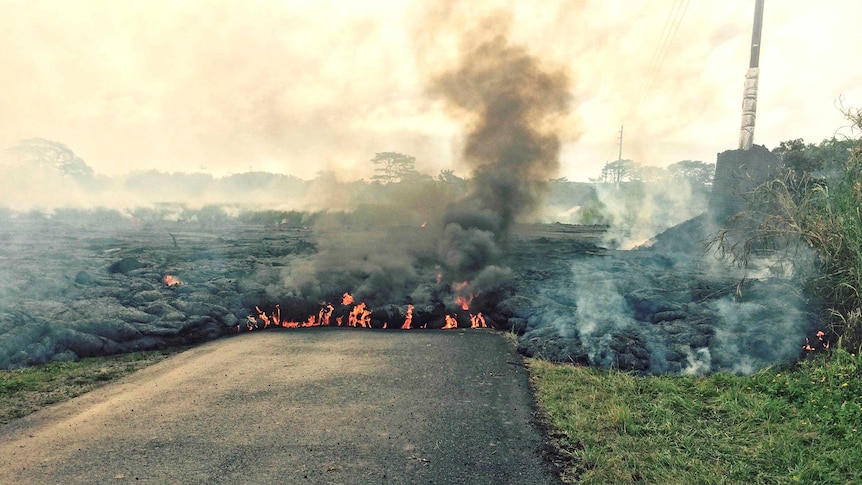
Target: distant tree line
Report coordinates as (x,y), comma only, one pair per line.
(697,173)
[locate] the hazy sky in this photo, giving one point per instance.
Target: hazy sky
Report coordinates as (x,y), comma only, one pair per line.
(298,86)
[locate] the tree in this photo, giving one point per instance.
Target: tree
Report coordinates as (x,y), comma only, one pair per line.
(448,177)
(696,172)
(831,155)
(391,167)
(51,155)
(618,171)
(647,173)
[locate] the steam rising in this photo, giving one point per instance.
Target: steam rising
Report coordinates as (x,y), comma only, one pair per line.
(638,211)
(669,308)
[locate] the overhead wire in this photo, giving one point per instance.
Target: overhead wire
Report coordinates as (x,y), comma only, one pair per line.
(669,31)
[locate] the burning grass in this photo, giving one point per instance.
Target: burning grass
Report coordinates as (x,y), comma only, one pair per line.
(28,390)
(799,424)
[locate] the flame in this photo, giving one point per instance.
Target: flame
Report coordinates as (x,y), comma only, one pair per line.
(408,319)
(423,224)
(477,321)
(171,281)
(463,297)
(464,303)
(359,317)
(823,342)
(274,319)
(323,316)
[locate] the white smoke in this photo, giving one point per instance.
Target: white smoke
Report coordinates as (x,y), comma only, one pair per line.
(637,211)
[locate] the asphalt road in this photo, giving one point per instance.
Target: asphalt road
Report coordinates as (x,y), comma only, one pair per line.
(313,406)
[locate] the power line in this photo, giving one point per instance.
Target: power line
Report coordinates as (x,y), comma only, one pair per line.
(669,31)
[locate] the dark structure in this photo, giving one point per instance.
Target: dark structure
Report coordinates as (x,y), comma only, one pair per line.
(737,173)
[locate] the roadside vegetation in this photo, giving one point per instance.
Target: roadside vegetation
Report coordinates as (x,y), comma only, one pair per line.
(798,424)
(810,216)
(25,391)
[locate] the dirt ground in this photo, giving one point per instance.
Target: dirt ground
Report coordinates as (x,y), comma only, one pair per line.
(322,405)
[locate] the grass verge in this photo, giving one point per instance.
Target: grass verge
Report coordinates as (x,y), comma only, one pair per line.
(25,391)
(798,424)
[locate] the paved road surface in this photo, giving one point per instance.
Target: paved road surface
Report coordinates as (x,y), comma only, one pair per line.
(309,406)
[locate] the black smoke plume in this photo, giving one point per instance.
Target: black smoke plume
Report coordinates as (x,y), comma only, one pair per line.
(512,105)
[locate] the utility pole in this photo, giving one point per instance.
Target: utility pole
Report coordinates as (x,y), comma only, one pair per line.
(620,159)
(749,95)
(739,172)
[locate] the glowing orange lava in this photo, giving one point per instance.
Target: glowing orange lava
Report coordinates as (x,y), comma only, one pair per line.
(359,316)
(821,336)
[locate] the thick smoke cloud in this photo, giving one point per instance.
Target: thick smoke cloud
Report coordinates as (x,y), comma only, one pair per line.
(511,104)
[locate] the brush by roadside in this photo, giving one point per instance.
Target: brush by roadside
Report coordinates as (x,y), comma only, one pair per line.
(800,424)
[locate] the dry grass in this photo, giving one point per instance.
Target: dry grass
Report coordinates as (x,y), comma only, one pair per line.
(25,391)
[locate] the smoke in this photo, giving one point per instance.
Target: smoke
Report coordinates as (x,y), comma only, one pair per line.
(637,211)
(672,307)
(512,106)
(45,176)
(759,329)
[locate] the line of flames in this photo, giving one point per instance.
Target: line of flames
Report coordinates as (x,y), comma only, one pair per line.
(359,316)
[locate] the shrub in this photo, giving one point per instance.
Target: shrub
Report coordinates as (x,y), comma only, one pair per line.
(798,214)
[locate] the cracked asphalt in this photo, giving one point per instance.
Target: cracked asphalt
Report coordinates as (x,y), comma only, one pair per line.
(308,406)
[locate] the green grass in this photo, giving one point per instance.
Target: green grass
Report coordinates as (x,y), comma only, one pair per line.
(27,390)
(791,425)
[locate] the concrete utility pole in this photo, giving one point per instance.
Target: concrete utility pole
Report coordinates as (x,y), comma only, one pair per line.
(738,172)
(749,96)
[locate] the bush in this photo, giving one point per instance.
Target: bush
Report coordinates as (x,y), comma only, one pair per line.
(798,213)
